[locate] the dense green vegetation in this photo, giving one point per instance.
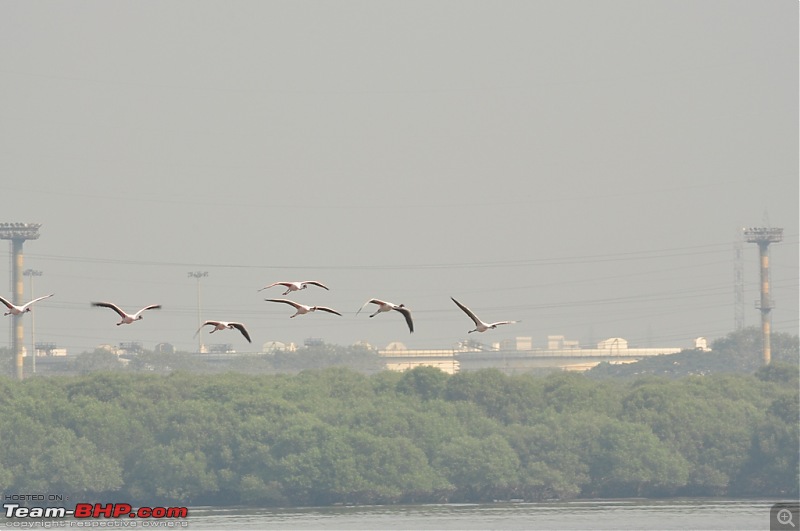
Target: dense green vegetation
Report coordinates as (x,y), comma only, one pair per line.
(335,435)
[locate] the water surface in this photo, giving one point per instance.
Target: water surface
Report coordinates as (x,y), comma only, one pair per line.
(576,515)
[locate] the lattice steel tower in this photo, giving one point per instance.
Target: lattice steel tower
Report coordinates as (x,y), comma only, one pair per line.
(738,282)
(763,237)
(18,233)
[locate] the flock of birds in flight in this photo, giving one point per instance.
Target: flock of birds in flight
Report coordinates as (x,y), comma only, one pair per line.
(300,309)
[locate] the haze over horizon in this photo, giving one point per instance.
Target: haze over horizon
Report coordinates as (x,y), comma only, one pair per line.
(583,167)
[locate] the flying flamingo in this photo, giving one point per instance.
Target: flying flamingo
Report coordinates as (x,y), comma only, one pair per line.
(17,310)
(127,318)
(480,326)
(302,309)
(295,286)
(384,306)
(222,325)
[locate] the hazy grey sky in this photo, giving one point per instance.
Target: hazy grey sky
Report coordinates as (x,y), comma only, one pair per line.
(582,166)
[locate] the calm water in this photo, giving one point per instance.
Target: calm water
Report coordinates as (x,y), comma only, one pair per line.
(597,514)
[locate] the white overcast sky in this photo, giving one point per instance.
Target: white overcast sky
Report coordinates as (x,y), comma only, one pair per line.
(582,166)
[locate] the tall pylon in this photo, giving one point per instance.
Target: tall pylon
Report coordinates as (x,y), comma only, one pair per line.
(18,233)
(763,236)
(738,281)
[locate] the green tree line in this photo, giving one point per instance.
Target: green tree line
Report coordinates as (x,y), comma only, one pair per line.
(335,435)
(359,358)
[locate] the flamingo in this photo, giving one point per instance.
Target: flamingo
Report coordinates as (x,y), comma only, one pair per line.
(222,325)
(127,318)
(295,286)
(302,309)
(384,306)
(480,326)
(18,310)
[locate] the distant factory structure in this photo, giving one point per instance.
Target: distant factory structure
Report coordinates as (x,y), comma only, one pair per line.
(515,356)
(511,356)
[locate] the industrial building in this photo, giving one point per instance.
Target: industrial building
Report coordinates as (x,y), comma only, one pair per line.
(518,356)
